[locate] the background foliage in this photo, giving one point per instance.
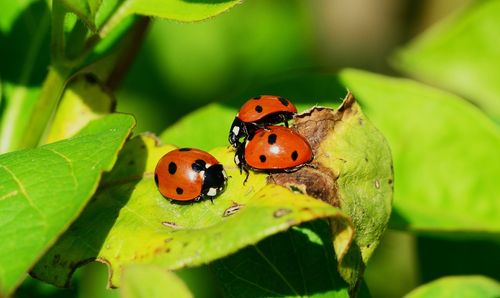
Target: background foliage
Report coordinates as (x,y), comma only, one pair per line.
(185,81)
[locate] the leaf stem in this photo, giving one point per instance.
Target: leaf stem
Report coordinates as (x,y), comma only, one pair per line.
(45,107)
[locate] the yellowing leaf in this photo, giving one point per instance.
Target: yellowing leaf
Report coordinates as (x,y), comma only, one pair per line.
(129,222)
(83,100)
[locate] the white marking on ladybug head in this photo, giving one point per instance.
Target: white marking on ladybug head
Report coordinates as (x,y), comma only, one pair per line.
(236,130)
(212,192)
(224,174)
(236,160)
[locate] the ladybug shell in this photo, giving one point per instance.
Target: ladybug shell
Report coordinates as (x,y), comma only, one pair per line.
(177,175)
(277,148)
(262,106)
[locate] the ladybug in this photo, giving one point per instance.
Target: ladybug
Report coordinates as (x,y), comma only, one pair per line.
(275,148)
(259,112)
(189,174)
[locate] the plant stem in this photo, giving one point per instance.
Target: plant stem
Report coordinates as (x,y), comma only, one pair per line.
(45,107)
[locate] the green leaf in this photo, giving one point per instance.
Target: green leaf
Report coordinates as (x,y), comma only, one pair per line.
(129,222)
(104,16)
(87,10)
(458,286)
(460,54)
(84,100)
(43,190)
(24,57)
(353,162)
(204,128)
(444,154)
(181,10)
(363,164)
(296,263)
(151,281)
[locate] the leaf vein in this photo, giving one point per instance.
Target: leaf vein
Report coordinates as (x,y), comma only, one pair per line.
(25,194)
(228,269)
(275,270)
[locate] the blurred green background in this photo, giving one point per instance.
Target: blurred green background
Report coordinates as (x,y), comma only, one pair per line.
(182,67)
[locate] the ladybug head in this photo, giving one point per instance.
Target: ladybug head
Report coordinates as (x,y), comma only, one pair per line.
(237,131)
(214,181)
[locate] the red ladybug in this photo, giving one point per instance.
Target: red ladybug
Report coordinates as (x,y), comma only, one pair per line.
(189,174)
(275,148)
(257,113)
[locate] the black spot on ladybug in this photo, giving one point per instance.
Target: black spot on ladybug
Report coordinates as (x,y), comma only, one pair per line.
(283,101)
(295,155)
(262,158)
(156,179)
(185,149)
(198,165)
(179,190)
(258,109)
(256,97)
(271,139)
(172,167)
(201,163)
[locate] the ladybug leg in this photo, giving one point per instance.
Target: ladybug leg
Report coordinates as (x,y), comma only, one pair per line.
(271,176)
(239,157)
(247,173)
(310,165)
(239,160)
(284,119)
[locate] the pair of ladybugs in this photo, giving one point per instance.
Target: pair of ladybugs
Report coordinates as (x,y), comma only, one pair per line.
(192,174)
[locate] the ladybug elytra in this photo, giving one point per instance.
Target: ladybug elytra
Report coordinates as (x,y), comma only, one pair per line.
(274,148)
(189,174)
(258,112)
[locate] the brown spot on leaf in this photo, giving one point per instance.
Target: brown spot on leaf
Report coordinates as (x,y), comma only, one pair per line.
(315,124)
(235,207)
(171,224)
(281,212)
(318,182)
